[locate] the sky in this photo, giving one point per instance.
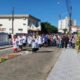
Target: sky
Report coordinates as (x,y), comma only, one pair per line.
(45,10)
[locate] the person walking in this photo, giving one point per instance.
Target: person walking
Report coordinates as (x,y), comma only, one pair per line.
(20,42)
(66,41)
(35,45)
(15,44)
(24,39)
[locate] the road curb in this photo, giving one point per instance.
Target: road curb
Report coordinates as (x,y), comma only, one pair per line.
(4,47)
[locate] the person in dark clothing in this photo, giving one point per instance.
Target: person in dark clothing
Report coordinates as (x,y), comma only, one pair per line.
(63,41)
(66,41)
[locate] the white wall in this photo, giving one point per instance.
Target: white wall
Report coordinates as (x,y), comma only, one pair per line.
(6,23)
(19,23)
(64,23)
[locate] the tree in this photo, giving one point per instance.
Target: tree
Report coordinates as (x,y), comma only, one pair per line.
(48,28)
(78,43)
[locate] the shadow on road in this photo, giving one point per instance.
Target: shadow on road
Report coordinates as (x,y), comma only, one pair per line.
(39,51)
(44,51)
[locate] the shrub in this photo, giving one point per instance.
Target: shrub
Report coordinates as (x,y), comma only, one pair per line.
(78,43)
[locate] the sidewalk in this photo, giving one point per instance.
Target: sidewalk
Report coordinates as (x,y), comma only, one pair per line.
(67,67)
(6,46)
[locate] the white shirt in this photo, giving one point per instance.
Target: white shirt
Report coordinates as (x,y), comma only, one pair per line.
(29,39)
(35,44)
(15,43)
(20,41)
(39,40)
(24,39)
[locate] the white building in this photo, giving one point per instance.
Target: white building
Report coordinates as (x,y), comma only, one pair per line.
(64,24)
(74,29)
(21,24)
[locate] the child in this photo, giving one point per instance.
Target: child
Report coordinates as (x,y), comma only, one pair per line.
(15,44)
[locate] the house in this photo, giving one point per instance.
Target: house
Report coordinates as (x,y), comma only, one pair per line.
(19,24)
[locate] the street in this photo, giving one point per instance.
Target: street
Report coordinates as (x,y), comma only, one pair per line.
(33,66)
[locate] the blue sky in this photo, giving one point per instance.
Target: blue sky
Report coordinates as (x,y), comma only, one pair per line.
(46,10)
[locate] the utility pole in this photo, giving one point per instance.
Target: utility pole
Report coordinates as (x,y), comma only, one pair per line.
(70,20)
(61,21)
(69,10)
(13,20)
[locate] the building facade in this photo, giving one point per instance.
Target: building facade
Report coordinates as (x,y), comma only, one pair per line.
(19,24)
(64,24)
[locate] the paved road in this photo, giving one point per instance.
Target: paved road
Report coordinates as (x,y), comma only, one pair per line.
(67,67)
(34,66)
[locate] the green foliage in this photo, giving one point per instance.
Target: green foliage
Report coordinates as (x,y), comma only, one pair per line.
(78,42)
(78,33)
(48,28)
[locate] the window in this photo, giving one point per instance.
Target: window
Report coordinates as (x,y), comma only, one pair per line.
(24,18)
(24,23)
(36,24)
(9,19)
(20,29)
(2,29)
(29,23)
(10,29)
(0,24)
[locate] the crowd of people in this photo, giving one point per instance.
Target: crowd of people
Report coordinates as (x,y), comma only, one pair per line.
(43,40)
